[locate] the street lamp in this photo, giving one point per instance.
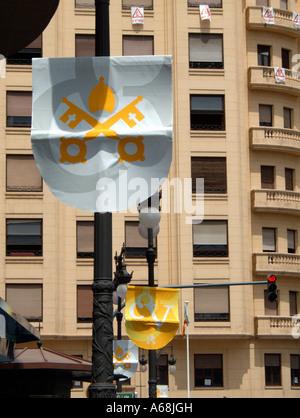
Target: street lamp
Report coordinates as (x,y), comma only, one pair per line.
(171,361)
(149,217)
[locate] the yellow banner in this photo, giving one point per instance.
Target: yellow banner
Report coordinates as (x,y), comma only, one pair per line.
(151,316)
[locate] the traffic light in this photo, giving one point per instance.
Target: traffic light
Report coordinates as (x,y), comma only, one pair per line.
(272,288)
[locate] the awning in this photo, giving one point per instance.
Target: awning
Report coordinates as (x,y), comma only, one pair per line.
(29,359)
(21,22)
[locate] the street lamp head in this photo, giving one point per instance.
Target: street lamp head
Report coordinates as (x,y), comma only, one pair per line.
(143,231)
(149,217)
(122,291)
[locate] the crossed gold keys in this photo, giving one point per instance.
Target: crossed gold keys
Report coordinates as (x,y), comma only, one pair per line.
(74,115)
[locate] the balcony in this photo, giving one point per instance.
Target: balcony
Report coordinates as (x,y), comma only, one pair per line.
(281,264)
(263,78)
(283,21)
(274,326)
(274,139)
(276,201)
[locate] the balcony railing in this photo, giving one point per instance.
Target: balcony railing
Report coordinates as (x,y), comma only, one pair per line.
(283,21)
(278,263)
(274,326)
(276,201)
(264,78)
(268,138)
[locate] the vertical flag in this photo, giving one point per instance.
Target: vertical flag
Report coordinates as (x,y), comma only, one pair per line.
(151,316)
(186,320)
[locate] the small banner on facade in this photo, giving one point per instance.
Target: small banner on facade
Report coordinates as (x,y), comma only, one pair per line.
(205,12)
(162,391)
(268,15)
(125,358)
(102,128)
(296,20)
(151,316)
(137,15)
(280,76)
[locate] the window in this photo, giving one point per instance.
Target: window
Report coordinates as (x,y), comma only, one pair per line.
(291,239)
(213,171)
(208,370)
(271,308)
(206,50)
(265,3)
(18,108)
(210,239)
(138,45)
(22,174)
(85,239)
(85,45)
(207,113)
(285,58)
(210,3)
(267,176)
(273,369)
(27,300)
(264,55)
(269,239)
(287,116)
(25,55)
(289,179)
(85,4)
(265,115)
(146,4)
(84,303)
(284,4)
(136,245)
(24,237)
(211,304)
(295,369)
(293,298)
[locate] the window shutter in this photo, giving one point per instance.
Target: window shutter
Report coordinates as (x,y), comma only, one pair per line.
(85,46)
(137,45)
(19,103)
(26,299)
(267,177)
(213,171)
(22,173)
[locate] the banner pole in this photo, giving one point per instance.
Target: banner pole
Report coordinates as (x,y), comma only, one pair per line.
(102,361)
(187,353)
(150,254)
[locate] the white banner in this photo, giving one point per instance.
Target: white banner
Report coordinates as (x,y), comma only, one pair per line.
(137,15)
(205,12)
(296,20)
(280,75)
(268,15)
(162,391)
(102,128)
(125,358)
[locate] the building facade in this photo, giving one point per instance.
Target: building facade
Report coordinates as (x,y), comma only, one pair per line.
(236,124)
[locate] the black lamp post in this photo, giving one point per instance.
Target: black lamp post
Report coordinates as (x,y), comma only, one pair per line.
(149,218)
(102,361)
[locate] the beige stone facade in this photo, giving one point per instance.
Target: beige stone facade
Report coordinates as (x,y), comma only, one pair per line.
(250,352)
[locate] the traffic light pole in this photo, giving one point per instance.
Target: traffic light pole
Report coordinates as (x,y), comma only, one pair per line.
(102,361)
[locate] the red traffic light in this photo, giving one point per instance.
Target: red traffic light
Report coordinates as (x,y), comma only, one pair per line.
(272,278)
